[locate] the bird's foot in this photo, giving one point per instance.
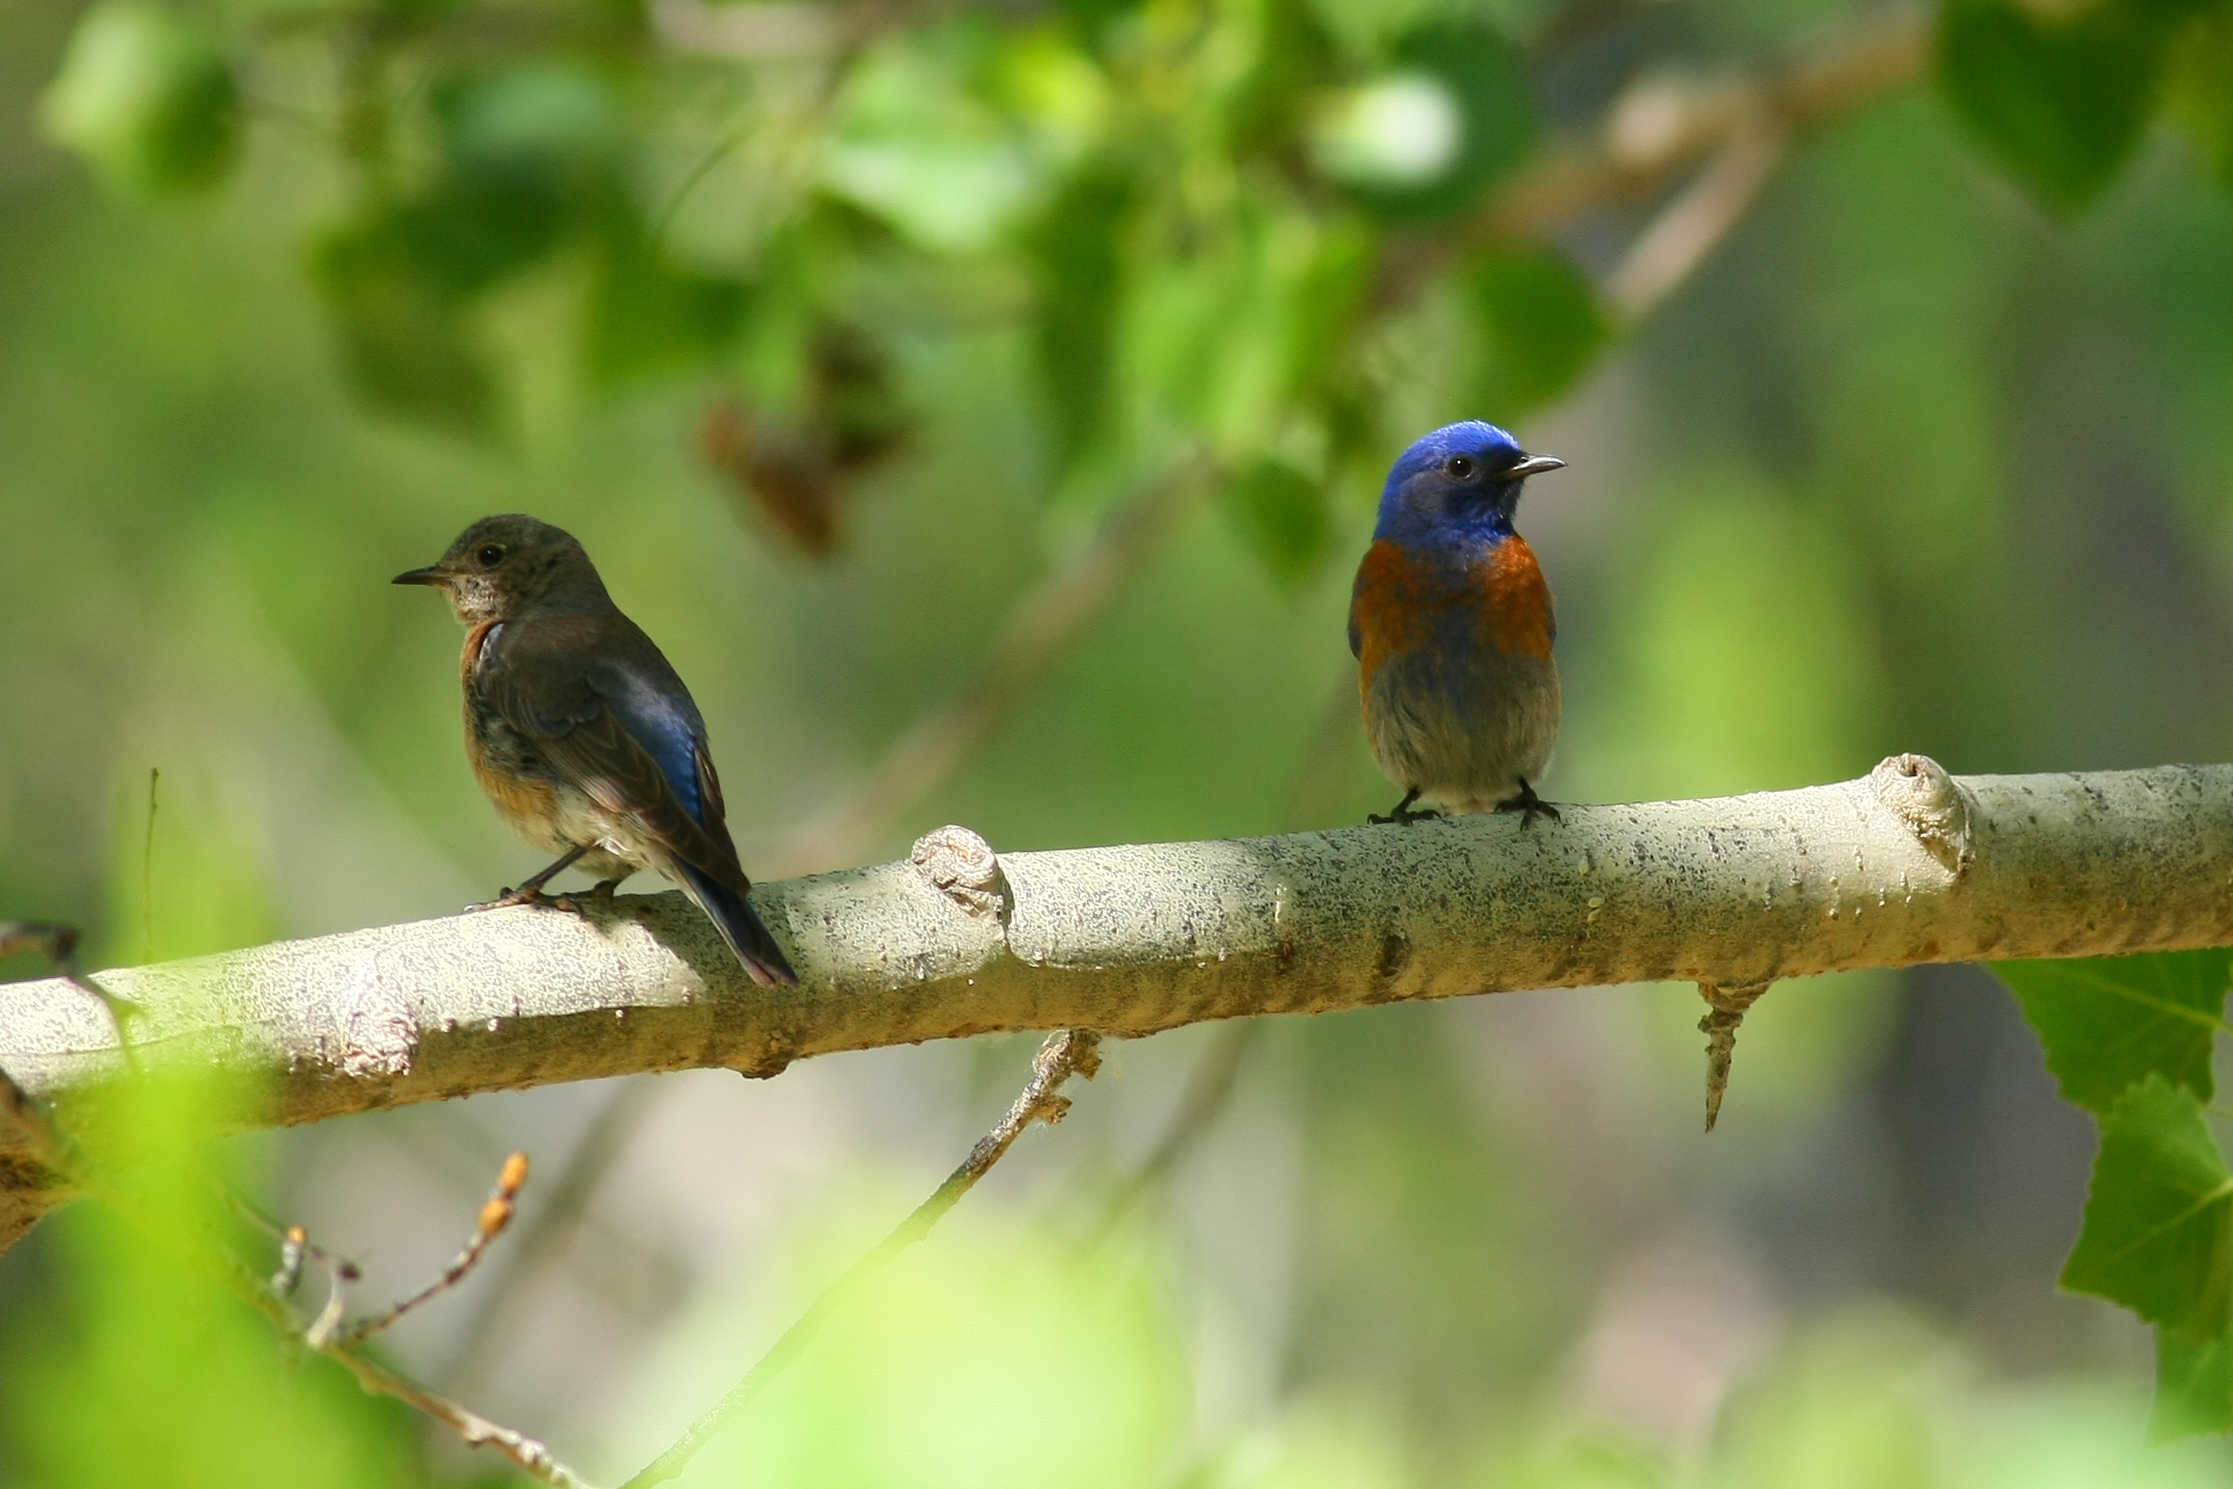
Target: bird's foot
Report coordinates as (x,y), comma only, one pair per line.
(526,894)
(1404,814)
(598,896)
(1529,806)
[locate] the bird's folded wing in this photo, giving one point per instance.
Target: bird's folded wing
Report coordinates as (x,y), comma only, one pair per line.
(591,748)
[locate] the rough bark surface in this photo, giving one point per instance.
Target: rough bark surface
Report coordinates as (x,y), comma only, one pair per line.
(1900,867)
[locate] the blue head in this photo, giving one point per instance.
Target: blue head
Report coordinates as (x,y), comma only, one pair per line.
(1459,484)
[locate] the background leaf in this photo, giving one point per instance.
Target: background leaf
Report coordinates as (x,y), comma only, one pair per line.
(2109,1022)
(1539,328)
(1281,514)
(2193,1386)
(147,97)
(2158,1233)
(2058,98)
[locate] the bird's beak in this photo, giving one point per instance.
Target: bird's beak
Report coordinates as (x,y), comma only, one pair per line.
(1533,465)
(431,574)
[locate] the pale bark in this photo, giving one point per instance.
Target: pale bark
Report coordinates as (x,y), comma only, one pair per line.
(1901,867)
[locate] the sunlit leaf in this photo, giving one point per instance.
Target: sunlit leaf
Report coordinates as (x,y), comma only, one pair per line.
(2158,1234)
(914,147)
(2109,1022)
(2059,97)
(1483,77)
(2193,1387)
(1540,328)
(145,95)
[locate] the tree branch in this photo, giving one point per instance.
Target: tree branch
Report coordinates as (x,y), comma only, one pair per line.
(1901,867)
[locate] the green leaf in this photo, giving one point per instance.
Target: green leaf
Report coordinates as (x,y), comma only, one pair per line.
(2158,1233)
(147,98)
(2109,1022)
(2059,98)
(647,315)
(402,333)
(1281,514)
(1486,78)
(2198,93)
(1540,328)
(2193,1387)
(1078,250)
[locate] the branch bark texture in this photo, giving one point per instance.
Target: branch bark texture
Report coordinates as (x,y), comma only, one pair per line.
(1904,866)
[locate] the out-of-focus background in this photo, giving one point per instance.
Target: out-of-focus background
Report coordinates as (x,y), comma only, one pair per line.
(867,347)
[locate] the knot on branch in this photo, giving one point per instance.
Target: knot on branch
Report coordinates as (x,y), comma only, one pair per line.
(960,864)
(1922,795)
(1726,1009)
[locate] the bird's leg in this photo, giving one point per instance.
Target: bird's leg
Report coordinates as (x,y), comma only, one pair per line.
(1403,813)
(530,891)
(601,893)
(1529,806)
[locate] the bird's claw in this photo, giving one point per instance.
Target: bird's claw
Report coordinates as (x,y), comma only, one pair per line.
(528,895)
(1529,806)
(1403,817)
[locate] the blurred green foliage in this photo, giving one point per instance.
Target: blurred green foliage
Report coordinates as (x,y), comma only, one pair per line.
(139,1367)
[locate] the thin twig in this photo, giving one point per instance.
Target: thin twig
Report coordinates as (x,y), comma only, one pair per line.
(542,1240)
(1688,228)
(526,1453)
(1042,623)
(487,1226)
(1066,1052)
(58,1151)
(325,1330)
(474,1430)
(1660,128)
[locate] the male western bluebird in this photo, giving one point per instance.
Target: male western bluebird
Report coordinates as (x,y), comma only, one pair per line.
(582,734)
(1451,622)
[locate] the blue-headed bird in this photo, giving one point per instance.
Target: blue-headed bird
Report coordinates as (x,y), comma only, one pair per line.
(581,733)
(1451,624)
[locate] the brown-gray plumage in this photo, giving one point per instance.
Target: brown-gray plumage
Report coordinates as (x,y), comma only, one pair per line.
(582,734)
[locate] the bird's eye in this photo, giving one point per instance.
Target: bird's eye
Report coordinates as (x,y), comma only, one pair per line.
(490,556)
(1458,467)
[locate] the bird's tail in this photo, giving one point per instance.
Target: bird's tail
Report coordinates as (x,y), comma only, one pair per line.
(740,925)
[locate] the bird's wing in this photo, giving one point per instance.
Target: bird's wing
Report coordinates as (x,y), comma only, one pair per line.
(616,736)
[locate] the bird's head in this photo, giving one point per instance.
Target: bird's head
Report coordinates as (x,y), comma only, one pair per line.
(1460,483)
(505,564)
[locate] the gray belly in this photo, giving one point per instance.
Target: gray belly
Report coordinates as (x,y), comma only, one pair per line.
(1465,734)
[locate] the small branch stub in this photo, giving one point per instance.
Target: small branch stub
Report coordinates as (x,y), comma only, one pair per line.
(1921,794)
(1726,1009)
(961,864)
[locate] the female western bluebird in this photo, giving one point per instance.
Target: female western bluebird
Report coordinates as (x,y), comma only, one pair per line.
(582,735)
(1451,622)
